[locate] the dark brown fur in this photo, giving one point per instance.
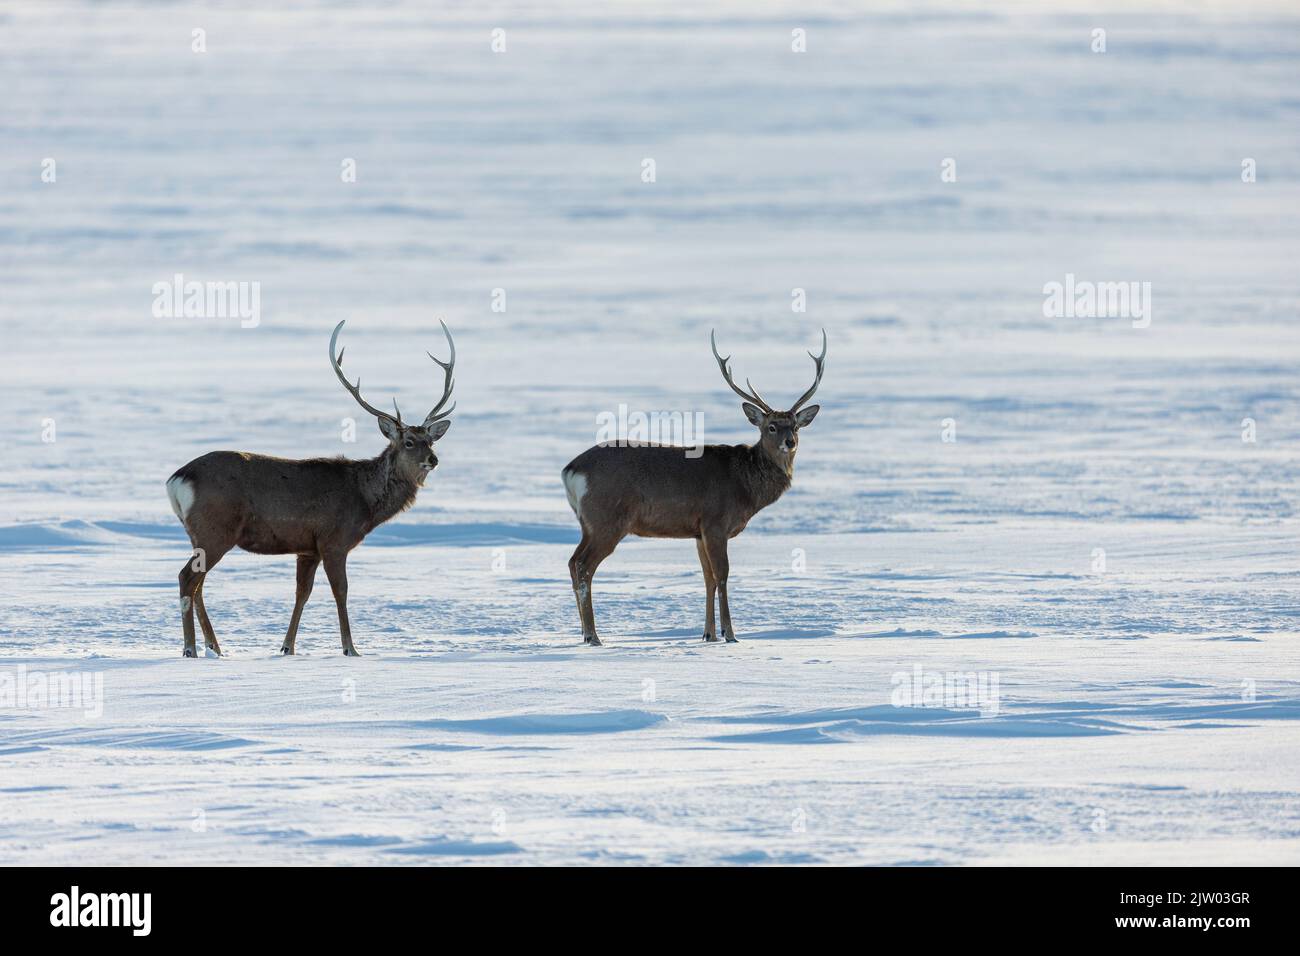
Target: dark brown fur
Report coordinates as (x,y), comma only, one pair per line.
(660,491)
(317,508)
(269,505)
(657,491)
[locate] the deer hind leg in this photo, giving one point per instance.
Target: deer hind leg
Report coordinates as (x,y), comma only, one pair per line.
(209,635)
(191,580)
(576,577)
(336,569)
(307,565)
(716,547)
(592,550)
(710,588)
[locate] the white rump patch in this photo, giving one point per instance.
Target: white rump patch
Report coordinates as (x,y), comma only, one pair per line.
(575,486)
(181,494)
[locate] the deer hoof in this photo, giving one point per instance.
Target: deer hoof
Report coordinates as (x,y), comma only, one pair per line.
(709,638)
(351,652)
(594,641)
(286,650)
(189,652)
(732,639)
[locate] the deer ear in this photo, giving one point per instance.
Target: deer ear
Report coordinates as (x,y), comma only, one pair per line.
(806,415)
(753,413)
(438,429)
(390,428)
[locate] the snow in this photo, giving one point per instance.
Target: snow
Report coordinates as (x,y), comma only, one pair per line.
(1098,549)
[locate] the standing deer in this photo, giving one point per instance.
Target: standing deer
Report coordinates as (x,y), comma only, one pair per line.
(656,491)
(317,508)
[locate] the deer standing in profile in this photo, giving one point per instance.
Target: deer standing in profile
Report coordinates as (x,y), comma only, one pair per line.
(656,491)
(317,508)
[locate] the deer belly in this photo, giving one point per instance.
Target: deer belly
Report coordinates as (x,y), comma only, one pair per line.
(270,537)
(664,526)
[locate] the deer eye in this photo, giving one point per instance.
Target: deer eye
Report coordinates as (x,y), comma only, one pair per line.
(772,429)
(408,443)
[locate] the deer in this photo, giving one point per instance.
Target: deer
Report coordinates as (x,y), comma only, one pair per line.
(658,491)
(317,508)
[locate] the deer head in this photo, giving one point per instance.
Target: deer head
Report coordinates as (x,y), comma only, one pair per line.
(410,446)
(778,431)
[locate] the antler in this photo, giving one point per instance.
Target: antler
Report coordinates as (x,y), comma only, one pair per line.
(448,383)
(820,362)
(355,390)
(752,394)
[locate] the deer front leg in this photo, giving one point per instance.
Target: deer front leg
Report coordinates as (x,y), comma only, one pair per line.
(336,569)
(716,548)
(307,565)
(710,589)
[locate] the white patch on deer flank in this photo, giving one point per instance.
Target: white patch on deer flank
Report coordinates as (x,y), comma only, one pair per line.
(181,494)
(575,486)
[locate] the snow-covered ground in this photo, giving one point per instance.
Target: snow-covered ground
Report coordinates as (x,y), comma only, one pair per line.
(1099,548)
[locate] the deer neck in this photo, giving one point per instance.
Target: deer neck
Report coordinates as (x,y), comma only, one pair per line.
(385,491)
(768,478)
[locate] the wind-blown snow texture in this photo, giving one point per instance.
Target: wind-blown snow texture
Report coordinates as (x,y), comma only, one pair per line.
(1147,713)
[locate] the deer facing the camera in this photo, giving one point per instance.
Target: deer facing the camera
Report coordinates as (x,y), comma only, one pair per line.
(317,508)
(657,491)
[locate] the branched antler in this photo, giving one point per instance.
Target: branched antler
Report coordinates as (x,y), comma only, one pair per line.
(820,362)
(448,383)
(438,412)
(752,394)
(355,390)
